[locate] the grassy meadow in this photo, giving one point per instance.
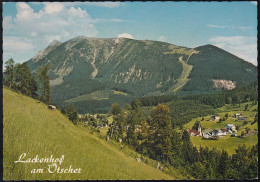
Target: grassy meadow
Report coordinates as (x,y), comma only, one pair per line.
(97,95)
(29,127)
(227,143)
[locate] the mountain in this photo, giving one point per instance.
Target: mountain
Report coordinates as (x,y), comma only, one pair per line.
(216,69)
(92,73)
(97,159)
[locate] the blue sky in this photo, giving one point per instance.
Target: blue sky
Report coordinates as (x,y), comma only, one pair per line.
(30,27)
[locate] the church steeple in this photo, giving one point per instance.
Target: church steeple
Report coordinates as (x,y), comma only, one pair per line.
(199,130)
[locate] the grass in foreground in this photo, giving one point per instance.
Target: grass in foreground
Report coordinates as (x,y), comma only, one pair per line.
(29,127)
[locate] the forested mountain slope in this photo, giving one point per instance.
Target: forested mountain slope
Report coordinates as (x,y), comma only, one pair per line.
(136,68)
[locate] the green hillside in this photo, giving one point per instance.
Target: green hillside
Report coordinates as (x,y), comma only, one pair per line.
(31,128)
(213,63)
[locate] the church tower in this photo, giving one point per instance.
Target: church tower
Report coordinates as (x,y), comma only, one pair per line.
(199,130)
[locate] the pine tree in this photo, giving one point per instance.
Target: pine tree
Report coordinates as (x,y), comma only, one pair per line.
(116,109)
(44,80)
(160,134)
(176,145)
(135,117)
(253,162)
(223,165)
(131,136)
(127,106)
(9,73)
(24,80)
(33,88)
(240,163)
(137,111)
(119,121)
(71,113)
(186,147)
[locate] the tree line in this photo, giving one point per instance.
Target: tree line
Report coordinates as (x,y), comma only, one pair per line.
(18,77)
(236,96)
(154,136)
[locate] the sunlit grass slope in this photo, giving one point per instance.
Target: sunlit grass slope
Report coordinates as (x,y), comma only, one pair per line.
(227,143)
(29,127)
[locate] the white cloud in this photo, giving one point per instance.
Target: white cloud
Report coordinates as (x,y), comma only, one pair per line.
(7,23)
(53,21)
(243,28)
(161,38)
(99,4)
(125,35)
(254,2)
(54,7)
(16,44)
(24,12)
(215,26)
(16,48)
(244,47)
(100,20)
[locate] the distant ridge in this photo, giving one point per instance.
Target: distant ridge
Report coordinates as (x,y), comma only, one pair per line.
(137,68)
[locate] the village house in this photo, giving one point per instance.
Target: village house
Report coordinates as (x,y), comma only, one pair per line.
(222,132)
(193,132)
(93,116)
(219,132)
(81,116)
(242,118)
(214,132)
(207,133)
(215,117)
(231,127)
(229,131)
(238,115)
(233,133)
